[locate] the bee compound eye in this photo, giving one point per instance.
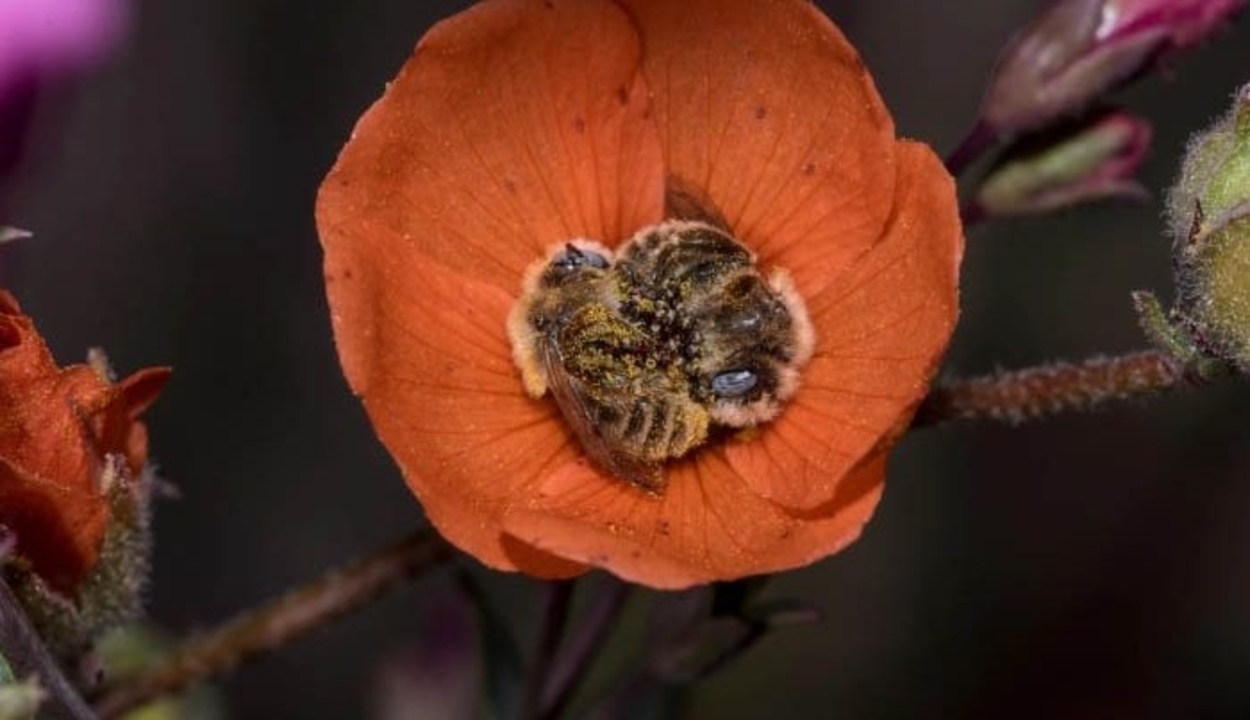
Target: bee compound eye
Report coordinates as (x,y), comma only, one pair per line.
(573,257)
(734,383)
(594,259)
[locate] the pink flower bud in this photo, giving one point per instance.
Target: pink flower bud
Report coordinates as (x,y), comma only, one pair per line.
(1077,50)
(1095,159)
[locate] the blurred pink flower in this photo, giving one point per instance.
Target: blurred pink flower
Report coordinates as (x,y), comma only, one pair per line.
(42,40)
(42,37)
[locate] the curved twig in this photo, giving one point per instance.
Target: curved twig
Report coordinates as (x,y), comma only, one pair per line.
(281,621)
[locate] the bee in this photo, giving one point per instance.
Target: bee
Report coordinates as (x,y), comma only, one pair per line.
(651,350)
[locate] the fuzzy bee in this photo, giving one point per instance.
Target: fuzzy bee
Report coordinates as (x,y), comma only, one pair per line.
(649,351)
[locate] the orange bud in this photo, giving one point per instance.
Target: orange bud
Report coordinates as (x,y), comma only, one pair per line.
(58,427)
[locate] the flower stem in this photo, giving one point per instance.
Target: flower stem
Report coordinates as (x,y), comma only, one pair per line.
(978,140)
(1021,395)
(26,654)
(555,620)
(281,621)
(577,660)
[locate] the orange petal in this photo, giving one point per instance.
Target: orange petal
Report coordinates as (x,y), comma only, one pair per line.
(425,349)
(59,529)
(43,429)
(707,526)
(46,429)
(881,329)
(138,392)
(23,353)
(515,125)
(119,407)
(764,106)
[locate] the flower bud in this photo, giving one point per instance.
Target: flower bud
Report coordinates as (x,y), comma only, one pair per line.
(1092,160)
(1077,50)
(74,484)
(1209,213)
(1215,175)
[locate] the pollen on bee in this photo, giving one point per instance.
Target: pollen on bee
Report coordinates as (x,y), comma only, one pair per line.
(525,349)
(648,350)
(524,334)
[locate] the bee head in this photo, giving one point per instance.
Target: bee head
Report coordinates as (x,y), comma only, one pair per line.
(748,394)
(734,383)
(576,261)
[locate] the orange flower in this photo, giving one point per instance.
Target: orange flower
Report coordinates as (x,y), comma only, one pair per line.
(57,427)
(518,125)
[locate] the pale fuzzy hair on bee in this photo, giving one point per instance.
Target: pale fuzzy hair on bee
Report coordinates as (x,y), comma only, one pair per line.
(526,343)
(804,333)
(737,415)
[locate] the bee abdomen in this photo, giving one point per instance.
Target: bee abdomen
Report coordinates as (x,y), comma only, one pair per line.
(638,424)
(661,429)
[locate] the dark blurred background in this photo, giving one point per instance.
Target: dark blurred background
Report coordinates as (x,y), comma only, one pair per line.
(1089,566)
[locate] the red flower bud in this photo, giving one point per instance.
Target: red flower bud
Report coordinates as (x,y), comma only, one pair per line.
(1077,50)
(59,427)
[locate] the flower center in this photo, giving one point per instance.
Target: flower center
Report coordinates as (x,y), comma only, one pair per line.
(650,350)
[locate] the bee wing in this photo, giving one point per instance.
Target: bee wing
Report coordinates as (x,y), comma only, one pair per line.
(577,407)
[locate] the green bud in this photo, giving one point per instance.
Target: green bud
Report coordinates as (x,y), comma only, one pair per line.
(1215,176)
(1218,294)
(1209,213)
(20,700)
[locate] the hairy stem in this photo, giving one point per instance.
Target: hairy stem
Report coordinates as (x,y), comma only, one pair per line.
(26,655)
(1021,395)
(281,621)
(568,673)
